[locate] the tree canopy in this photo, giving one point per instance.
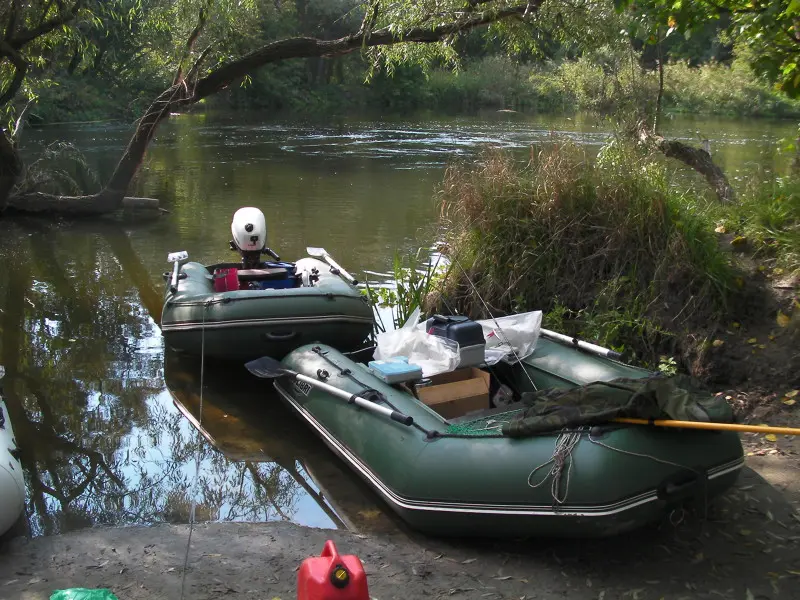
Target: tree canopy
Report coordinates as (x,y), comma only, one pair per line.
(768,29)
(197,48)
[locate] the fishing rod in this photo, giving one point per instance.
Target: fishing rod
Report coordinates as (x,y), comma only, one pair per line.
(546,333)
(499,329)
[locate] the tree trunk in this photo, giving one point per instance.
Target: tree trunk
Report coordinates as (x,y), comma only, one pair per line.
(10,169)
(132,158)
(697,158)
(660,98)
(112,197)
(191,89)
(77,206)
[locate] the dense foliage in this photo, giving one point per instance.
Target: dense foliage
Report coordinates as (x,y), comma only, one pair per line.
(92,59)
(609,238)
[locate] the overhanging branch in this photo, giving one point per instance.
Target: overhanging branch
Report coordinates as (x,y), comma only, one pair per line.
(303,47)
(28,35)
(20,70)
(697,158)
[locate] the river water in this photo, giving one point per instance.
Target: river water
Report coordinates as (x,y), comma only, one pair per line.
(107,419)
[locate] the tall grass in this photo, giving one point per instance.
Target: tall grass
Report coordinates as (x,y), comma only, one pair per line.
(415,277)
(767,220)
(606,246)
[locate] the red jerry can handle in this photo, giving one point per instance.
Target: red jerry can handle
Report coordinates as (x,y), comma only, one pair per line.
(332,577)
(338,574)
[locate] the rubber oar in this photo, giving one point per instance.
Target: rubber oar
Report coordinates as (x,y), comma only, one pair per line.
(269,368)
(714,426)
(323,254)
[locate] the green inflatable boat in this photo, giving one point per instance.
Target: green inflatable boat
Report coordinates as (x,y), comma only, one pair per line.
(519,449)
(232,313)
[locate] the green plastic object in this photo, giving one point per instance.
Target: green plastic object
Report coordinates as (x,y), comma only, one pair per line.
(83,594)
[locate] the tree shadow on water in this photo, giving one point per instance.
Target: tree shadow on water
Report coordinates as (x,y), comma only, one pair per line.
(99,441)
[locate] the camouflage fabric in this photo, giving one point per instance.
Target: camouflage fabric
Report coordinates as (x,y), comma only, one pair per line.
(656,397)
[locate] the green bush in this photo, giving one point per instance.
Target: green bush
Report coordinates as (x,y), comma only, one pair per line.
(608,243)
(723,89)
(767,217)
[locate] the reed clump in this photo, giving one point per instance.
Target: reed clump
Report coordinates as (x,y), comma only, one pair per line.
(606,248)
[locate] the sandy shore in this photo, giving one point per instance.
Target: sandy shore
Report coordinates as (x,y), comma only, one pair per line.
(748,546)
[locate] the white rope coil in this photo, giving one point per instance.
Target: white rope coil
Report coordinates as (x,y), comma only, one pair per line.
(562,456)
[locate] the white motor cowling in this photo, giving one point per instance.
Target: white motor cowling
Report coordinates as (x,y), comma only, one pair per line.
(249,229)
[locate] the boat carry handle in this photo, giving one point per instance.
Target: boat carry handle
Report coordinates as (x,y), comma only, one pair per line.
(279,337)
(178,259)
(678,488)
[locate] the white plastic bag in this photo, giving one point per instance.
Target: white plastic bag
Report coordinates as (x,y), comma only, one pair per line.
(432,353)
(521,331)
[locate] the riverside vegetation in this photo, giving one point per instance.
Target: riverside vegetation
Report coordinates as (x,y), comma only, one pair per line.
(607,80)
(614,251)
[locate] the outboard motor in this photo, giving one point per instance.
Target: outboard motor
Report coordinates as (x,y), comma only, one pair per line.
(249,229)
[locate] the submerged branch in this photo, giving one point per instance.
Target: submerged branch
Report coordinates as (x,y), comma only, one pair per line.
(96,204)
(697,158)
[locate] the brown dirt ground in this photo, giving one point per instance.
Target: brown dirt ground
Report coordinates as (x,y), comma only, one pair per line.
(748,546)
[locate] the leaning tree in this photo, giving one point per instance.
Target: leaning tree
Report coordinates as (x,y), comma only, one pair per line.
(432,23)
(34,33)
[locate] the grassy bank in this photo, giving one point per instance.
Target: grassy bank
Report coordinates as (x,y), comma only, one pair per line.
(605,81)
(608,249)
(765,224)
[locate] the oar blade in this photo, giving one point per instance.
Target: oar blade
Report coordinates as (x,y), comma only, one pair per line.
(266,368)
(315,252)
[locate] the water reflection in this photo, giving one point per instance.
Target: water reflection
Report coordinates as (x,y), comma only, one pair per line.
(243,419)
(78,379)
(107,423)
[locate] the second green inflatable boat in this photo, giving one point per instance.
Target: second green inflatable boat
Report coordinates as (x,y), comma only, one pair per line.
(309,303)
(456,470)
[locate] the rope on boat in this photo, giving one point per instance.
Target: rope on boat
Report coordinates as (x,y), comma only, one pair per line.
(698,472)
(562,455)
(199,448)
(642,455)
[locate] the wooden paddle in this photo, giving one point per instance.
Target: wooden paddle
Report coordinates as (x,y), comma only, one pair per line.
(714,426)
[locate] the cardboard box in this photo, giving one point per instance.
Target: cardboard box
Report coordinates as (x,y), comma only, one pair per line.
(457,392)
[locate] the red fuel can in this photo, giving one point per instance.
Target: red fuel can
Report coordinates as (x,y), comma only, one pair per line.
(332,577)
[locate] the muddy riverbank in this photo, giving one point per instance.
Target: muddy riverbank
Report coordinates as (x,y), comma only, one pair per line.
(746,546)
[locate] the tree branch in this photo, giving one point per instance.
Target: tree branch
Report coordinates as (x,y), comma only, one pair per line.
(191,77)
(20,70)
(370,17)
(28,35)
(12,19)
(697,158)
(190,42)
(303,47)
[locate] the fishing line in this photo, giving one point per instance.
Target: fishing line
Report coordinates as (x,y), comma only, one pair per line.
(500,329)
(199,448)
